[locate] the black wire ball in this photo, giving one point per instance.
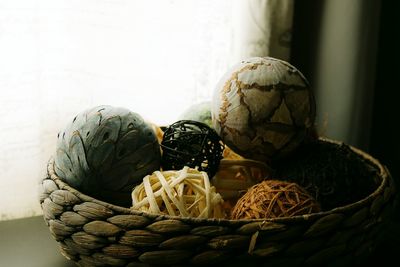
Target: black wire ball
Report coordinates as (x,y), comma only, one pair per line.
(191,143)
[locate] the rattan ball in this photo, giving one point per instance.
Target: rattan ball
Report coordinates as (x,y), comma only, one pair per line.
(273,198)
(193,144)
(186,193)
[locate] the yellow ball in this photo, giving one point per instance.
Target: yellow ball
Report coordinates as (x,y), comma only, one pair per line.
(186,193)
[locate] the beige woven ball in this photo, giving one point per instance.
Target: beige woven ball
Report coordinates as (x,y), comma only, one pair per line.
(272,198)
(186,193)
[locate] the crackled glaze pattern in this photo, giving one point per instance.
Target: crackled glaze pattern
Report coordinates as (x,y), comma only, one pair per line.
(263,108)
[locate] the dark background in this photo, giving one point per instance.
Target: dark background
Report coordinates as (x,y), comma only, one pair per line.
(385,120)
(384,138)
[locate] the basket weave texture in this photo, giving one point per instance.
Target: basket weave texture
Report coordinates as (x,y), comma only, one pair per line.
(94,233)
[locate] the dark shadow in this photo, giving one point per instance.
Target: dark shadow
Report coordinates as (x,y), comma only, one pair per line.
(385,144)
(306,27)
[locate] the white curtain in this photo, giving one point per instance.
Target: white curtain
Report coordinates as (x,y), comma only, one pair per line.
(262,28)
(155,57)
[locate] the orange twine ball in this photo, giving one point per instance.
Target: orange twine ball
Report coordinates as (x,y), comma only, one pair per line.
(272,198)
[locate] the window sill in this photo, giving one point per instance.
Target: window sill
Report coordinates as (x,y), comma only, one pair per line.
(28,242)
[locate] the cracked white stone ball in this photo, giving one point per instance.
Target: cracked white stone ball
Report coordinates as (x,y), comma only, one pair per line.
(263,108)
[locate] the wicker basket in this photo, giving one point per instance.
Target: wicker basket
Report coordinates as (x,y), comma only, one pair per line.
(94,233)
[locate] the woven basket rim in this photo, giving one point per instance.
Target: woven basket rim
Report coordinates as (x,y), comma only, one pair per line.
(383,175)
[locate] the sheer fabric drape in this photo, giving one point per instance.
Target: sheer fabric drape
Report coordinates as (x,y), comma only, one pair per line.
(154,57)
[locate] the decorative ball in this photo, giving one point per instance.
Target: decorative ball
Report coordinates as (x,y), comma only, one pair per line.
(230,154)
(273,198)
(263,108)
(202,112)
(105,151)
(193,144)
(235,176)
(198,112)
(158,131)
(186,193)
